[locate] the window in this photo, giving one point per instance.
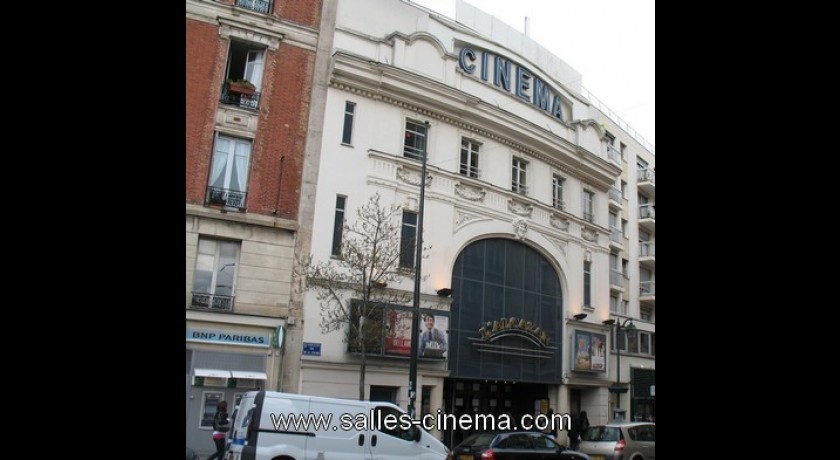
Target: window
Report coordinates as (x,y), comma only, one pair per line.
(613,304)
(624,265)
(408,239)
(469,158)
(624,305)
(349,111)
(646,313)
(415,140)
(624,189)
(587,283)
(518,183)
(622,148)
(557,192)
(588,205)
(338,225)
(229,172)
(624,227)
(644,343)
(389,425)
(215,272)
(245,62)
(633,342)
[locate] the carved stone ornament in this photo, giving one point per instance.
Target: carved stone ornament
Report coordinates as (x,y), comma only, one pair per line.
(520,227)
(587,256)
(560,223)
(412,177)
(463,218)
(588,234)
(469,192)
(519,208)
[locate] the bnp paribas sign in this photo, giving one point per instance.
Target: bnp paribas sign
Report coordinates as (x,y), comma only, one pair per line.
(512,78)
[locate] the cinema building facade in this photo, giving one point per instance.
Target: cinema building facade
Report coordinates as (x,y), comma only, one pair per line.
(532,212)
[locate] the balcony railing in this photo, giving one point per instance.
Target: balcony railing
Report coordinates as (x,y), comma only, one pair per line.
(616,235)
(615,194)
(589,217)
(647,211)
(558,204)
(259,6)
(244,100)
(214,302)
(646,249)
(519,188)
(470,171)
(647,288)
(615,278)
(613,154)
(226,197)
(646,175)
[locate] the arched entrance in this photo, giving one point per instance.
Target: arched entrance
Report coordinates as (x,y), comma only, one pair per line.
(506,321)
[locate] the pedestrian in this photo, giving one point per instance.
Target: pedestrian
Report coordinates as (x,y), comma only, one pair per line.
(221,425)
(583,424)
(573,430)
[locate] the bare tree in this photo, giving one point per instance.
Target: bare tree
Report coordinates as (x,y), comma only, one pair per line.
(351,289)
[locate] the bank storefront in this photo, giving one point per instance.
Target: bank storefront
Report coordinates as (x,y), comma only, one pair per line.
(226,356)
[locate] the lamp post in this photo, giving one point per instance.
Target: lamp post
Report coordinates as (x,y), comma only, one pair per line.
(415,317)
(619,388)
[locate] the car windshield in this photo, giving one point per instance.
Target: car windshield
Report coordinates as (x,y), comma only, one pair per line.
(600,433)
(478,439)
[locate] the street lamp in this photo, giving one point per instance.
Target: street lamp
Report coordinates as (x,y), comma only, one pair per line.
(415,317)
(619,388)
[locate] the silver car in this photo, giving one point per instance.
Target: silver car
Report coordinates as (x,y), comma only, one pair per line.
(620,441)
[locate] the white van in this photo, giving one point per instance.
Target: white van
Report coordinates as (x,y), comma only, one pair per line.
(272,426)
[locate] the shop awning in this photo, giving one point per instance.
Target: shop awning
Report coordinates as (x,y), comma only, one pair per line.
(249,375)
(212,373)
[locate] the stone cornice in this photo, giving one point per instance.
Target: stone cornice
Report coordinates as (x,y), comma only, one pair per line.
(431,99)
(242,218)
(277,29)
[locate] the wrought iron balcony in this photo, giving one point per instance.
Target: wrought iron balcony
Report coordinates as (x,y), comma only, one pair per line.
(260,6)
(226,197)
(214,302)
(247,99)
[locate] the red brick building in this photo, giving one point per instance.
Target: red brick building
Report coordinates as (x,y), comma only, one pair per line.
(249,87)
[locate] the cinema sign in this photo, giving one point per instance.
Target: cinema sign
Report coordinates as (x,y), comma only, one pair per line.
(510,77)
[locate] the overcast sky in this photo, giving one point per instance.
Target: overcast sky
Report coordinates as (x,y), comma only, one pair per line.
(612,43)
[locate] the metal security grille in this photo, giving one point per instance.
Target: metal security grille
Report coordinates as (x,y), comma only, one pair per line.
(228,361)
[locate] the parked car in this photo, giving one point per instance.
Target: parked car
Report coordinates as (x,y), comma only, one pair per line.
(620,441)
(512,445)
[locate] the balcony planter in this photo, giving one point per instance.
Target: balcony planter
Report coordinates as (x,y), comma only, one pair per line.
(241,87)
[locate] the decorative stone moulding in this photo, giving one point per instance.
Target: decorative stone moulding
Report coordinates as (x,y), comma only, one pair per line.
(468,192)
(520,227)
(589,234)
(412,177)
(560,223)
(519,208)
